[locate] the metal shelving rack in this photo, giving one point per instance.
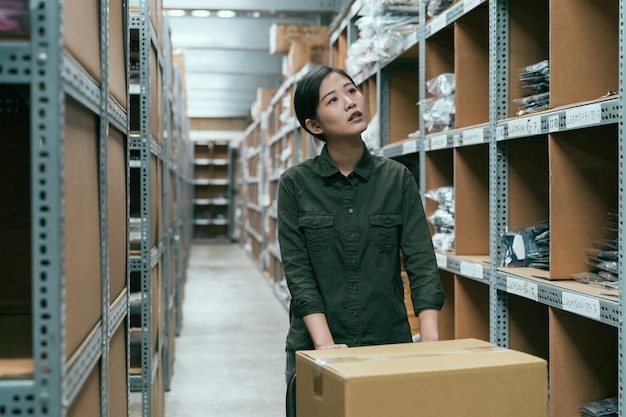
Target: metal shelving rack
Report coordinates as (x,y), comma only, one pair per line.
(41,64)
(144,145)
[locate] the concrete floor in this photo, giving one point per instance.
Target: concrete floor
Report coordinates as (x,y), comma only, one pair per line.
(229,359)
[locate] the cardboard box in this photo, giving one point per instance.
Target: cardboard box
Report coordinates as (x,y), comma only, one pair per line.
(302,53)
(282,35)
(467,377)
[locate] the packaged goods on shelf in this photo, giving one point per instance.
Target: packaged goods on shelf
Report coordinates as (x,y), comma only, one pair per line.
(529,247)
(535,80)
(608,407)
(382,29)
(14,18)
(443,218)
(434,7)
(439,110)
(603,258)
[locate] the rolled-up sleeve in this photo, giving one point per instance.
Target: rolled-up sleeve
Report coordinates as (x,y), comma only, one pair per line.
(417,248)
(303,288)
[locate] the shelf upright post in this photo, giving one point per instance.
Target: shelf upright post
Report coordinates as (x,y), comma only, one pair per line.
(176,128)
(142,145)
(621,372)
(498,164)
(103,195)
(46,124)
(383,88)
(421,65)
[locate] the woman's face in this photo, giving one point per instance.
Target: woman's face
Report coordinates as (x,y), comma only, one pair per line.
(340,111)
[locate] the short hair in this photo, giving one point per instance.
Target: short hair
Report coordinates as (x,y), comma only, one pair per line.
(307,95)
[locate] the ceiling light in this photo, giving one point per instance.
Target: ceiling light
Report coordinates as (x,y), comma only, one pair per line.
(201,13)
(226,13)
(176,12)
(256,15)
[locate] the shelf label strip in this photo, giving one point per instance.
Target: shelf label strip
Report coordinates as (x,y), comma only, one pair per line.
(522,288)
(470,269)
(439,142)
(442,260)
(473,136)
(526,126)
(582,305)
(409,147)
(582,116)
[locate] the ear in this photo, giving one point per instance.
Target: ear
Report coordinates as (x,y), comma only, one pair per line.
(314,127)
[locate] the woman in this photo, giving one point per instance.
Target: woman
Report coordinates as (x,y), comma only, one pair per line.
(343,218)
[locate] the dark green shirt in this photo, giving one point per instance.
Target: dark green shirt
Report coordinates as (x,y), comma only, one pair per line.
(340,241)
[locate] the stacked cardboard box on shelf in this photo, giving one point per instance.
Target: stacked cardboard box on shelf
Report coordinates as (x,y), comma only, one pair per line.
(301,45)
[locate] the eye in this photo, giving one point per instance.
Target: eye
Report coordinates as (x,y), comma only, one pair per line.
(332,100)
(352,90)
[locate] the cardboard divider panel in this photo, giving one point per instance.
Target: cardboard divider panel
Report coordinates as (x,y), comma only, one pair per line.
(528,42)
(158,392)
(155,92)
(471,307)
(439,52)
(471,193)
(582,368)
(16,346)
(87,402)
(82,37)
(117,64)
(471,66)
(529,182)
(528,326)
(447,314)
(403,98)
(155,197)
(118,377)
(117,216)
(584,187)
(339,50)
(83,308)
(584,50)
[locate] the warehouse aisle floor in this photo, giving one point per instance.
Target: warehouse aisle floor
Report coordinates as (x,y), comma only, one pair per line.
(229,358)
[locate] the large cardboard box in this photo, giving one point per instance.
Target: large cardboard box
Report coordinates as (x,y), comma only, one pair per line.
(302,53)
(466,377)
(281,36)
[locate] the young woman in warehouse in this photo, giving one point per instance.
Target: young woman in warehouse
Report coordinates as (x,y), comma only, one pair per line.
(343,218)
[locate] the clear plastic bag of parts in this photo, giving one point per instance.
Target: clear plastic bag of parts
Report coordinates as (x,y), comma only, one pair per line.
(535,82)
(434,7)
(443,218)
(608,407)
(603,258)
(528,247)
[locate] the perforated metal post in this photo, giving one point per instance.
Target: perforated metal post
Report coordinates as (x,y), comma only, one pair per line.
(498,164)
(622,206)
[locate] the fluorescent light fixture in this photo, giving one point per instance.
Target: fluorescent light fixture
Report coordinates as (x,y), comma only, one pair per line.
(226,13)
(201,13)
(256,15)
(176,12)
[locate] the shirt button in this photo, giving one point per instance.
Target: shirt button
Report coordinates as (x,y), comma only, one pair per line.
(387,221)
(352,236)
(350,211)
(354,287)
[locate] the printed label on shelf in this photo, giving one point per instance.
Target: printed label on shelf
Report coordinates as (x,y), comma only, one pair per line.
(409,147)
(470,269)
(438,23)
(439,142)
(554,124)
(470,4)
(590,114)
(456,139)
(580,304)
(525,127)
(499,132)
(442,260)
(473,136)
(522,288)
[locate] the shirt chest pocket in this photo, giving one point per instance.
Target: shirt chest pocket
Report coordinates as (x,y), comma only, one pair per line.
(385,231)
(318,231)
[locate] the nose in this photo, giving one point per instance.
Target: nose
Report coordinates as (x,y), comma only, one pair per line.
(349,103)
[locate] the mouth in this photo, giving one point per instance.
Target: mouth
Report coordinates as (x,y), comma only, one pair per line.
(355,115)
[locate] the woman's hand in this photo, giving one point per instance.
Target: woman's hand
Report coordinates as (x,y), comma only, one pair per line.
(339,346)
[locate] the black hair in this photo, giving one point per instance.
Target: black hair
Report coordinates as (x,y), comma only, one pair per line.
(307,95)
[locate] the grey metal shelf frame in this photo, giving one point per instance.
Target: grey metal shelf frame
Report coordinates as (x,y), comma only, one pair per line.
(42,64)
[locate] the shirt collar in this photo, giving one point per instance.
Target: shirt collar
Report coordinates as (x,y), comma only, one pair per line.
(363,168)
